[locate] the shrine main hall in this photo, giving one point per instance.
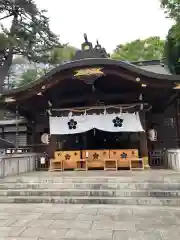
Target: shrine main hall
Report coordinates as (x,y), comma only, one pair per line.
(94,112)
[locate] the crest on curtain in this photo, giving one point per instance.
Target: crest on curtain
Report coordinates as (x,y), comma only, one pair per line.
(117,122)
(72,124)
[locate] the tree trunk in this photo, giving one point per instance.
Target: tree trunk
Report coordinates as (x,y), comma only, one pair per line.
(4,70)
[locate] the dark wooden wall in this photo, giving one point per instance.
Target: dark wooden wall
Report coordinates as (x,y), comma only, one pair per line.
(166,127)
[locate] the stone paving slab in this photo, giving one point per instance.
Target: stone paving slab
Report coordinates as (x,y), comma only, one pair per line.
(18,238)
(138,235)
(44,233)
(59,216)
(33,223)
(11,231)
(72,224)
(85,222)
(83,234)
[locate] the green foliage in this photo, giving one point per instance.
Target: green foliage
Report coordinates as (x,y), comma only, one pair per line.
(20,60)
(172,46)
(172,8)
(59,55)
(172,49)
(30,75)
(139,50)
(29,34)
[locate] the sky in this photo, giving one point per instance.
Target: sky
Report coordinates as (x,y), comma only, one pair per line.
(111,22)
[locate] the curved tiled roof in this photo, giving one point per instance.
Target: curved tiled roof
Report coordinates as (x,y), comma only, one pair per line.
(97,62)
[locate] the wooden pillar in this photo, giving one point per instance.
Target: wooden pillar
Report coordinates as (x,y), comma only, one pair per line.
(52,146)
(33,136)
(143,141)
(84,140)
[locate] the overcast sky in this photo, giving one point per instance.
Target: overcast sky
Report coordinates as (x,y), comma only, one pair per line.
(111,22)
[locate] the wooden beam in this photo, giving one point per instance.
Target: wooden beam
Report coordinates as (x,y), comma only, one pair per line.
(153,83)
(102,107)
(94,97)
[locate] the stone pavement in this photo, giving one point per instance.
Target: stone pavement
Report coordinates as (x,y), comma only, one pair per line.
(85,222)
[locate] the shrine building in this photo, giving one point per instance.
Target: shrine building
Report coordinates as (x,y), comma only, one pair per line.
(98,113)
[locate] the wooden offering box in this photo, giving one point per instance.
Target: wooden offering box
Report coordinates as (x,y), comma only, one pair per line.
(123,156)
(95,158)
(69,157)
(57,161)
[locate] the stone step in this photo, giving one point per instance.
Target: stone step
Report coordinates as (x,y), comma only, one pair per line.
(95,179)
(89,193)
(95,186)
(93,200)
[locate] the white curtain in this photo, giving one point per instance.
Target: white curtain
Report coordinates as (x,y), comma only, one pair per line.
(124,122)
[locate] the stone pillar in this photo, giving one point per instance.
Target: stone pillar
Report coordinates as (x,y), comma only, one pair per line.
(143,141)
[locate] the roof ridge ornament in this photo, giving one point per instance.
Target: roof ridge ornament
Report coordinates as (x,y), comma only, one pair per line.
(98,46)
(88,51)
(86,46)
(85,37)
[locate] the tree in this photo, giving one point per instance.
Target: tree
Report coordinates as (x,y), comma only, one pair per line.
(29,34)
(23,72)
(172,8)
(172,49)
(149,49)
(172,45)
(59,55)
(20,60)
(29,75)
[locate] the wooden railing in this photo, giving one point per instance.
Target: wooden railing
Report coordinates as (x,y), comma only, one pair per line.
(14,164)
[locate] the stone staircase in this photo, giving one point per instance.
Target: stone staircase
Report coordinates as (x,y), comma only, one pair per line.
(91,190)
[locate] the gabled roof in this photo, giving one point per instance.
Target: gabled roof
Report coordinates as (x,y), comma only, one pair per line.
(96,57)
(156,66)
(97,62)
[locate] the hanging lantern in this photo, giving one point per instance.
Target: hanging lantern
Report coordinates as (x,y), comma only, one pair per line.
(152,135)
(45,138)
